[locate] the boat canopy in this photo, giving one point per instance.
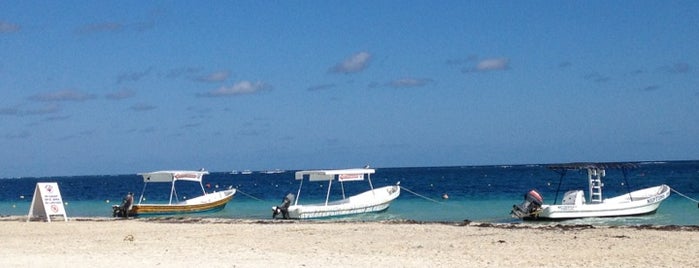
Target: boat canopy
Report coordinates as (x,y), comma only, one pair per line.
(355,174)
(173,175)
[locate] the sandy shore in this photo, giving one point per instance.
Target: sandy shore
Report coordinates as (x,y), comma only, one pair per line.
(240,243)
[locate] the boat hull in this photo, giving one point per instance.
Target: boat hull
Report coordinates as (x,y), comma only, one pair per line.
(205,203)
(645,201)
(375,200)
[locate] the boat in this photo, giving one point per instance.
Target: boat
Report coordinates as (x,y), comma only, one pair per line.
(373,200)
(574,204)
(207,202)
(274,171)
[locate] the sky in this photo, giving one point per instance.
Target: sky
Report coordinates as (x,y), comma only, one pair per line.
(120,87)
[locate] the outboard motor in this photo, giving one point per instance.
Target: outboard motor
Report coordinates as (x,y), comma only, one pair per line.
(123,210)
(532,202)
(283,208)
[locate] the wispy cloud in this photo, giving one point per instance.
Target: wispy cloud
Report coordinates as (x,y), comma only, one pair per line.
(142,107)
(677,68)
(651,88)
(410,82)
(102,27)
(115,27)
(191,125)
(62,95)
(57,118)
(597,78)
(6,27)
(321,87)
(462,61)
(120,95)
(354,64)
(564,64)
(46,109)
(240,88)
(218,76)
(9,111)
(187,72)
(20,135)
(487,65)
(133,76)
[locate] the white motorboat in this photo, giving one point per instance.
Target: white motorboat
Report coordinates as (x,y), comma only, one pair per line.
(574,205)
(373,200)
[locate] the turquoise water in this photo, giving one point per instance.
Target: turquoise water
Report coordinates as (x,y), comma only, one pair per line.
(482,193)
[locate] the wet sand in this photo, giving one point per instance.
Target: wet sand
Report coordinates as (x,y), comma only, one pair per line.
(179,242)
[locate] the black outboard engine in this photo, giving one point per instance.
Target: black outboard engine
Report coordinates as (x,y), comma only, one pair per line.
(123,210)
(532,202)
(284,207)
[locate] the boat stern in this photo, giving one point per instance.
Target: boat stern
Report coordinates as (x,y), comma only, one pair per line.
(529,207)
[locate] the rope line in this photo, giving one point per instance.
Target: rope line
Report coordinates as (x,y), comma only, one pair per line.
(248,195)
(422,196)
(681,194)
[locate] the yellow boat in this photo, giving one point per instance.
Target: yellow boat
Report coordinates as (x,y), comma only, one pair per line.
(207,202)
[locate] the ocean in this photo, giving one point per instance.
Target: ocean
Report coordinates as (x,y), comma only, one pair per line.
(475,193)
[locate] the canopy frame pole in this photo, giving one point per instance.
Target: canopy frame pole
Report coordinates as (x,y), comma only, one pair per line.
(327,196)
(625,171)
(342,185)
(202,188)
(298,193)
(561,172)
(172,190)
(142,192)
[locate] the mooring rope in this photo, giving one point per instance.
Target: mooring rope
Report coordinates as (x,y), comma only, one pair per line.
(248,195)
(683,195)
(419,195)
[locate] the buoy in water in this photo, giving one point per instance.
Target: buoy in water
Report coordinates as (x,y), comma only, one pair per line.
(445,196)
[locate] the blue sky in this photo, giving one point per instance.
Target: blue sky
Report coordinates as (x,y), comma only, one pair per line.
(118,87)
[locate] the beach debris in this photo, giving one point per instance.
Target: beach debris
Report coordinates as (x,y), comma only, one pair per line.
(129,238)
(620,236)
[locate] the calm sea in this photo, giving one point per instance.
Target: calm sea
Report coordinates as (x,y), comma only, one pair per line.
(477,193)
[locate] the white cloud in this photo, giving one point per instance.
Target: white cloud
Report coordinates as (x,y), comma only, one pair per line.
(240,88)
(491,64)
(355,63)
(62,95)
(410,82)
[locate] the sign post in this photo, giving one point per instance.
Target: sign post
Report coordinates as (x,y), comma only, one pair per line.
(47,202)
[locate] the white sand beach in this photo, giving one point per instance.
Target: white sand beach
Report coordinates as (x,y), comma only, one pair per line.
(247,243)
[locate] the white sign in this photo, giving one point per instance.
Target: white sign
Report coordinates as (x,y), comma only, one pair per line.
(47,202)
